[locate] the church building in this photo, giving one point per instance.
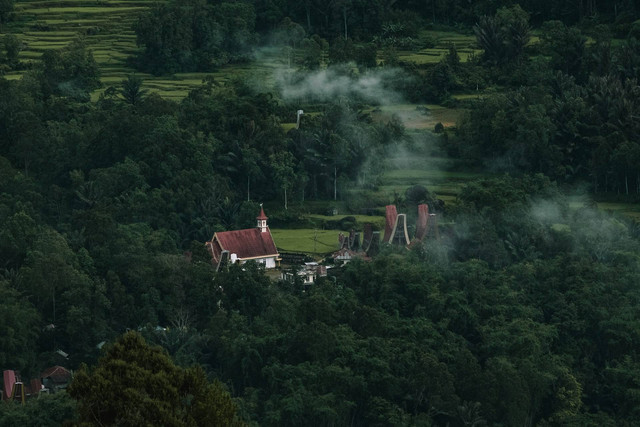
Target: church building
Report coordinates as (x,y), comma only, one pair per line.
(253,244)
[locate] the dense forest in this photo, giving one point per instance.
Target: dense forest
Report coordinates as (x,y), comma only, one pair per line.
(526,311)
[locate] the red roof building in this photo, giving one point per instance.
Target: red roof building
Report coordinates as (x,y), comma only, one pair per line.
(252,244)
(57,374)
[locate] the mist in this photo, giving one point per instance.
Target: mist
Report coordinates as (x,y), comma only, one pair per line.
(373,86)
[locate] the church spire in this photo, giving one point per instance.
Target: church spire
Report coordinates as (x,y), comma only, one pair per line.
(262,220)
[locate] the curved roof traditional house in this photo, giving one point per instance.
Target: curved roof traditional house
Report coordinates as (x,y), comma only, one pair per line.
(252,244)
(57,374)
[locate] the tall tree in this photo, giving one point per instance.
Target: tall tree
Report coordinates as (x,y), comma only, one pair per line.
(503,36)
(283,164)
(566,46)
(132,91)
(19,330)
(136,384)
(6,7)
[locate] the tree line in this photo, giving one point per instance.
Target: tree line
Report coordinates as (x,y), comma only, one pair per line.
(196,35)
(567,109)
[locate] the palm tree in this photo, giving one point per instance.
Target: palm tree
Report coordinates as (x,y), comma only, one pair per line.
(132,91)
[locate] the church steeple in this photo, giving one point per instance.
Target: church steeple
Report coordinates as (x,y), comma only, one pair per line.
(262,220)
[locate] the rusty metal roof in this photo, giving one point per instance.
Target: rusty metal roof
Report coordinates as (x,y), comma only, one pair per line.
(246,244)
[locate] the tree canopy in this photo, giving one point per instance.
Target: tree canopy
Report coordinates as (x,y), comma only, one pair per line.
(137,384)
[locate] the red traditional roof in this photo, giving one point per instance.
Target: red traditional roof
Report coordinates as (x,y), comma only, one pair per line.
(423,217)
(57,373)
(9,379)
(390,222)
(246,244)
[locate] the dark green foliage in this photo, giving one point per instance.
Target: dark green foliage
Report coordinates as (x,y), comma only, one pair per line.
(341,146)
(488,37)
(54,278)
(366,56)
(515,132)
(19,331)
(566,46)
(566,125)
(244,289)
(341,50)
(194,36)
(312,51)
(46,410)
(135,384)
(390,56)
(628,59)
(289,33)
(400,31)
(498,194)
(12,48)
(70,72)
(442,81)
(132,91)
(503,345)
(503,36)
(524,313)
(6,7)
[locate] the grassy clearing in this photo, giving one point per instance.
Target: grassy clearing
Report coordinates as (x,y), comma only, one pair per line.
(431,175)
(12,76)
(417,116)
(630,210)
(410,169)
(433,56)
(465,45)
(310,241)
(467,96)
(377,221)
(82,10)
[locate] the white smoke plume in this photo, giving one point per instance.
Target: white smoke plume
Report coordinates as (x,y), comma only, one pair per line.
(372,86)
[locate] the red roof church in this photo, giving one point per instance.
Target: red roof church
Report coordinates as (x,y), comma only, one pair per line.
(253,244)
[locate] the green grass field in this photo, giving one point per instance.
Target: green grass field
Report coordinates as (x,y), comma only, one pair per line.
(310,241)
(465,45)
(431,171)
(630,210)
(417,116)
(377,221)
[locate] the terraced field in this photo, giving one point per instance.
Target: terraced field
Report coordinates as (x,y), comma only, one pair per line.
(105,25)
(107,28)
(465,45)
(430,172)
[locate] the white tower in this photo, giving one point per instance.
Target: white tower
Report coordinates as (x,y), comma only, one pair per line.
(262,220)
